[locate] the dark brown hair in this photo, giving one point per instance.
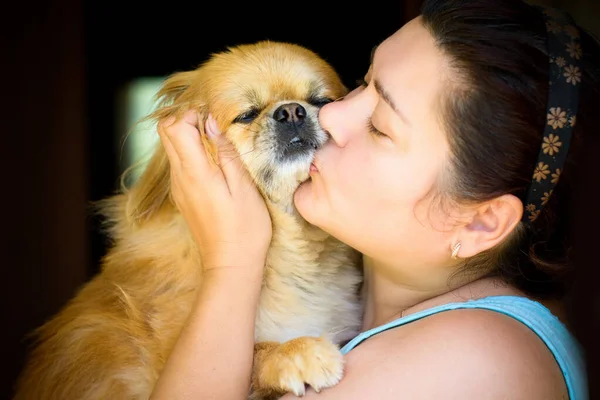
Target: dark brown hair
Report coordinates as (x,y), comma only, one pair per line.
(495,111)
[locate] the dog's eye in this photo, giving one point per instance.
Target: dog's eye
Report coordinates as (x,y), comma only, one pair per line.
(247,117)
(320,101)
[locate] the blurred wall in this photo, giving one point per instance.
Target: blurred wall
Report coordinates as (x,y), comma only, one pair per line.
(44,154)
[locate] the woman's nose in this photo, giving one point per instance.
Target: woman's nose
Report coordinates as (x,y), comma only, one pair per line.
(335,118)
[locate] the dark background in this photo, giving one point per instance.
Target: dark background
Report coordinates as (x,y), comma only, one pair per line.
(64,62)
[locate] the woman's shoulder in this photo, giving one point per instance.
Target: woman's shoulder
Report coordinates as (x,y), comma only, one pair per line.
(473,348)
(463,353)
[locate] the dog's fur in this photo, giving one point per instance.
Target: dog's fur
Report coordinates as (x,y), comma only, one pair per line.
(112,339)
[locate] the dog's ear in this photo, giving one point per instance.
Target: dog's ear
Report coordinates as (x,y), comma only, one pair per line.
(151,192)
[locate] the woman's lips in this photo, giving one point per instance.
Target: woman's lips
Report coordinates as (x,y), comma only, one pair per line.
(313,168)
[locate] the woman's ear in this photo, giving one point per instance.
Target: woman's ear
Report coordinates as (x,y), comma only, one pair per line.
(488,225)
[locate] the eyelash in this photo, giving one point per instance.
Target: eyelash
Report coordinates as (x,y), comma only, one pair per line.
(361,82)
(374,130)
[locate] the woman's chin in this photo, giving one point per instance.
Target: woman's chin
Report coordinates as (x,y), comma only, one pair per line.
(305,199)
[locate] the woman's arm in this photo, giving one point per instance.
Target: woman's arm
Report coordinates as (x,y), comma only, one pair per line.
(212,358)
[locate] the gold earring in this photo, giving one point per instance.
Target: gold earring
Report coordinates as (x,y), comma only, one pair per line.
(455,250)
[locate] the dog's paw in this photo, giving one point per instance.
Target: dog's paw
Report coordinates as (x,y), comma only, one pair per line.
(313,361)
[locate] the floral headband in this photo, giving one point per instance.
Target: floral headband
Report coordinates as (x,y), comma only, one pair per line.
(564,52)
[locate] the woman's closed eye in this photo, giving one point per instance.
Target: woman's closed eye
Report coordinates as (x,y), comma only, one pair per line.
(372,128)
(362,83)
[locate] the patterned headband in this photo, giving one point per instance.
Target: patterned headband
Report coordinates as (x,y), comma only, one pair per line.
(564,52)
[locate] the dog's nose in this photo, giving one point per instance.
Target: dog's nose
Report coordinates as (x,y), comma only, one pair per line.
(290,113)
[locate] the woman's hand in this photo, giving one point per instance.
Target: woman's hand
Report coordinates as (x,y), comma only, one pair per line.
(222,206)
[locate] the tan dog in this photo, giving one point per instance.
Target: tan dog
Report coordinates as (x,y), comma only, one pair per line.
(111,341)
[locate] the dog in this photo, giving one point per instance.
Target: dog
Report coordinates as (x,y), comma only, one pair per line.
(112,339)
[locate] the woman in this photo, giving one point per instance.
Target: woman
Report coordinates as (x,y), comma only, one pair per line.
(429,175)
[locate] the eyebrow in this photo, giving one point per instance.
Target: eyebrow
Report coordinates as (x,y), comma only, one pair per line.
(388,99)
(385,95)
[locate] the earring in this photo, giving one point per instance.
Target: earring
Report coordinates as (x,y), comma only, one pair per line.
(455,250)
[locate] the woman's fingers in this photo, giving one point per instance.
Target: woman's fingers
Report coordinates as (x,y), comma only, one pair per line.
(235,173)
(184,138)
(188,157)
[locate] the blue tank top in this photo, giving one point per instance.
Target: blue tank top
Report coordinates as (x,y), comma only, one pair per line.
(564,347)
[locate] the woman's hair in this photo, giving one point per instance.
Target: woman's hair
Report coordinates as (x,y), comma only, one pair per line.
(495,112)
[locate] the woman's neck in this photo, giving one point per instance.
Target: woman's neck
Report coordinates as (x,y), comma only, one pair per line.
(388,297)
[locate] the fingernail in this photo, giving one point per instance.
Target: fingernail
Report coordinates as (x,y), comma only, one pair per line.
(211,127)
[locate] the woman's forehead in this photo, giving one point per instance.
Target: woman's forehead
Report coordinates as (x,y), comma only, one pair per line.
(409,46)
(411,69)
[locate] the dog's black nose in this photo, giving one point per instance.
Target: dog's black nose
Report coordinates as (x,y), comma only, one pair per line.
(288,113)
